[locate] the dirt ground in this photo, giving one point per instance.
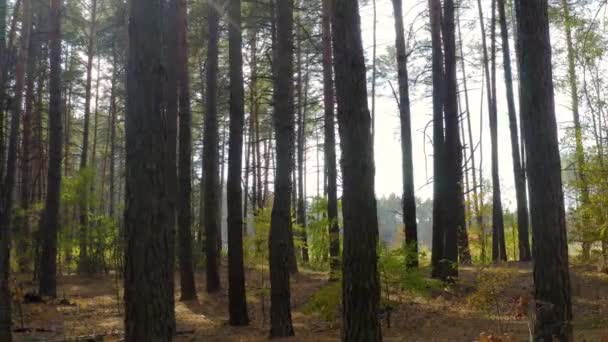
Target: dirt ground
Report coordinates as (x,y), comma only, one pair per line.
(91,310)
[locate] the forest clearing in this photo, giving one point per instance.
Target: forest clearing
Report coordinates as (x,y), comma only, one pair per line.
(459,312)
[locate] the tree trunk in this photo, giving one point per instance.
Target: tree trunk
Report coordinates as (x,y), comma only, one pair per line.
(301,135)
(281,239)
(465,259)
(409,198)
(184,198)
(236,269)
(113,123)
(49,224)
(211,154)
(8,187)
(84,265)
(360,282)
(330,144)
(464,251)
(499,251)
(551,274)
(23,221)
(454,195)
(148,283)
(438,140)
(583,185)
(520,180)
(6,53)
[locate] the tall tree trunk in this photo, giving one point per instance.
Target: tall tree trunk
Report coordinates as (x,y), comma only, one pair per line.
(211,154)
(360,281)
(454,195)
(253,147)
(23,221)
(49,224)
(149,221)
(6,53)
(583,185)
(8,187)
(330,143)
(438,140)
(409,198)
(551,274)
(520,180)
(464,251)
(236,269)
(84,264)
(301,136)
(112,128)
(93,165)
(499,251)
(281,239)
(184,198)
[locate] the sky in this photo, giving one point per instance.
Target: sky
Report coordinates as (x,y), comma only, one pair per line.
(387,138)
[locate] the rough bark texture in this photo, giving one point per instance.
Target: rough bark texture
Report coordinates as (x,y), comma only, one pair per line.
(149,222)
(211,154)
(281,240)
(550,250)
(518,172)
(236,270)
(8,187)
(454,195)
(360,282)
(49,225)
(330,143)
(438,139)
(184,198)
(409,198)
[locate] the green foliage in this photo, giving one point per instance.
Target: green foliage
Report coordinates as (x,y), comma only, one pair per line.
(326,302)
(396,277)
(255,244)
(103,237)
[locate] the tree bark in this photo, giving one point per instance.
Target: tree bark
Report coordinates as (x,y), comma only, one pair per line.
(499,251)
(330,143)
(49,224)
(184,198)
(438,139)
(551,273)
(84,264)
(518,172)
(236,269)
(360,282)
(301,136)
(23,221)
(281,239)
(409,198)
(454,195)
(8,187)
(211,154)
(149,221)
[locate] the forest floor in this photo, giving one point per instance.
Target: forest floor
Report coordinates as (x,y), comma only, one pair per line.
(483,302)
